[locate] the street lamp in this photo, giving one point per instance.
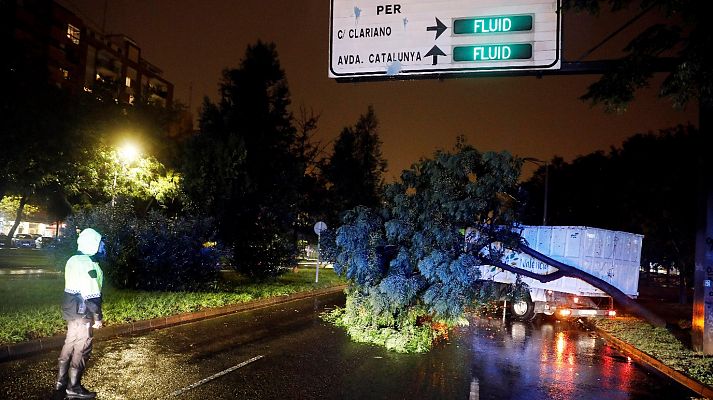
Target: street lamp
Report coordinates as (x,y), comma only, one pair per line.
(126,154)
(539,162)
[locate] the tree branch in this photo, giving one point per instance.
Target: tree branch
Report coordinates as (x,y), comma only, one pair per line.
(625,301)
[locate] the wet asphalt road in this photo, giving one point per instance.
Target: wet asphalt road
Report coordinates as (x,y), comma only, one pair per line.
(305,358)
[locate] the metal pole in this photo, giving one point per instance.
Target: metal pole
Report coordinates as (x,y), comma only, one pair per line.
(113,189)
(702,329)
(547,191)
(319,257)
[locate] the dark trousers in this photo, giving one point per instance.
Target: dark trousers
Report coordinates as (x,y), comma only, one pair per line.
(78,343)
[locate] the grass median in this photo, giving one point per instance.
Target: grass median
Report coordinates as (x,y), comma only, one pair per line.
(31,306)
(660,344)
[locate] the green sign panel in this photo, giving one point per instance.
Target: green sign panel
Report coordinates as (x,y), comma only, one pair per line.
(500,24)
(493,52)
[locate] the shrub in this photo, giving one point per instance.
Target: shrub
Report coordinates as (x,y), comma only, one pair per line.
(261,253)
(150,253)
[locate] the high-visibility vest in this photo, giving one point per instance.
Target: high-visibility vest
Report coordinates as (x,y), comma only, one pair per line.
(83,276)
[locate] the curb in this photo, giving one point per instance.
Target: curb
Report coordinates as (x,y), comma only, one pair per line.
(25,349)
(643,358)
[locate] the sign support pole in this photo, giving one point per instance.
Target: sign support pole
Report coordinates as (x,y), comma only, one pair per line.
(319,227)
(319,257)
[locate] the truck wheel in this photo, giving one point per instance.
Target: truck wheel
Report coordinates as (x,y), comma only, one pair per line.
(523,309)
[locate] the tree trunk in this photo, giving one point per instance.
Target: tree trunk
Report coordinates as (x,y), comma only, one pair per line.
(2,196)
(620,297)
(682,288)
(18,218)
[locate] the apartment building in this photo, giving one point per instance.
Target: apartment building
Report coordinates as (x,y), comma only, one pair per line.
(80,57)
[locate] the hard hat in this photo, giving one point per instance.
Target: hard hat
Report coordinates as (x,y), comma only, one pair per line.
(88,241)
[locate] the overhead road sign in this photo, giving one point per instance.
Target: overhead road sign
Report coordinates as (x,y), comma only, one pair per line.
(417,38)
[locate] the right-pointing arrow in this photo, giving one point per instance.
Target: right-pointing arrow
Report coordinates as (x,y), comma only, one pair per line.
(439,28)
(435,52)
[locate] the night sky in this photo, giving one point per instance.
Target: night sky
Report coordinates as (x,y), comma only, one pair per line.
(193,41)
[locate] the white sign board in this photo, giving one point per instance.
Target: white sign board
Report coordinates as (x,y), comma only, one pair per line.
(370,38)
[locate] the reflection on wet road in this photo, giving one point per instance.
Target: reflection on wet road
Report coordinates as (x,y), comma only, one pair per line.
(305,358)
(554,360)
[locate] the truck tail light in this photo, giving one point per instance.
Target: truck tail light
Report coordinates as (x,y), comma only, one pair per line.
(565,312)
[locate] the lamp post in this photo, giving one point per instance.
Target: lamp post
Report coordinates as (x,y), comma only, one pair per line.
(126,154)
(539,162)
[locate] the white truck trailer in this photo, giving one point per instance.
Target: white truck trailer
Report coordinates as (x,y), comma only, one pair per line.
(609,255)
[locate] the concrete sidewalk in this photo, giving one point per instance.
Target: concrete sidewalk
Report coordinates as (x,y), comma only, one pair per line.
(24,349)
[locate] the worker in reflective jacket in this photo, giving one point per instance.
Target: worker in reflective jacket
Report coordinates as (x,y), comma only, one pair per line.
(81,308)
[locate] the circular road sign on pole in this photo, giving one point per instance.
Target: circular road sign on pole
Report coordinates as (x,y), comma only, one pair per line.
(319,227)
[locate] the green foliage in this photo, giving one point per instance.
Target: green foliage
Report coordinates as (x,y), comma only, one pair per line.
(682,33)
(9,205)
(409,258)
(18,327)
(105,175)
(403,333)
(56,143)
(24,257)
(662,345)
(153,252)
(243,169)
(31,308)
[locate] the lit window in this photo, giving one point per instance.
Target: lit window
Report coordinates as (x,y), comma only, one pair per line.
(128,82)
(73,33)
(65,73)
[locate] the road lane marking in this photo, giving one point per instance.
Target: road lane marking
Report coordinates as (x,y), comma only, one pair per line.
(474,389)
(214,376)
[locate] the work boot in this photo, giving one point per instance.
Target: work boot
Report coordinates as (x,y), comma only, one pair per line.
(75,390)
(61,383)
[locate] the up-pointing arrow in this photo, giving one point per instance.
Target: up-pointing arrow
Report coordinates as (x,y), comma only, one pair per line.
(439,28)
(435,52)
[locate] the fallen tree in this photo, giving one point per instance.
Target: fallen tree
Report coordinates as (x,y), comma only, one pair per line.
(410,271)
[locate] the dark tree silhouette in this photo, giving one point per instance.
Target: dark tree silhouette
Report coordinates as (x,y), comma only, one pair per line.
(355,169)
(242,167)
(644,187)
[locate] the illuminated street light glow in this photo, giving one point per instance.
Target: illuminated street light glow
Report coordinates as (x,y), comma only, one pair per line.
(128,152)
